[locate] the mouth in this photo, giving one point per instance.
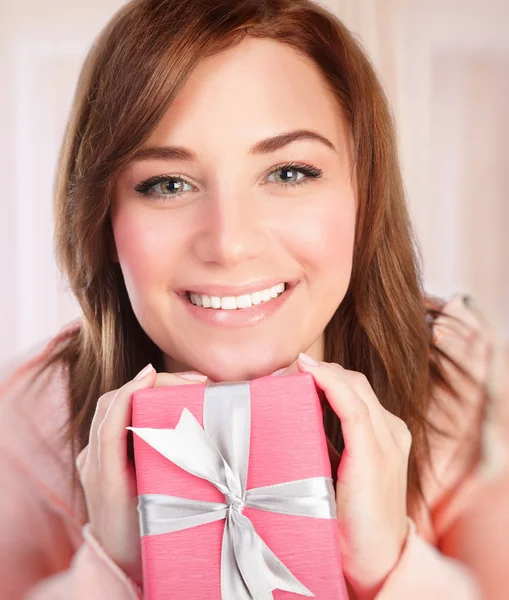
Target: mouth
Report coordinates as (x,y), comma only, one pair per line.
(243,302)
(237,311)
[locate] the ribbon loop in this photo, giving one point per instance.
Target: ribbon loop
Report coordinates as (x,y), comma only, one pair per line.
(219,453)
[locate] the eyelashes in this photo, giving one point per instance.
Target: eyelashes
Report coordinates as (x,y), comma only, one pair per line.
(147,187)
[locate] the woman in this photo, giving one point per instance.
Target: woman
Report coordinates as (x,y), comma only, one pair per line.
(284,245)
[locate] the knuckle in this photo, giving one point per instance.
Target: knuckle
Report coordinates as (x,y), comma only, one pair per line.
(407,437)
(400,430)
(360,413)
(471,336)
(399,422)
(86,479)
(358,378)
(358,381)
(404,434)
(105,400)
(105,434)
(85,476)
(80,459)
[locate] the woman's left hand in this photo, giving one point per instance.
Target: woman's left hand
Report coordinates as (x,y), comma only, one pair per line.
(371,488)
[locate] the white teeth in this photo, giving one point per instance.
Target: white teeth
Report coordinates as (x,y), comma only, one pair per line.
(234,302)
(244,301)
(228,303)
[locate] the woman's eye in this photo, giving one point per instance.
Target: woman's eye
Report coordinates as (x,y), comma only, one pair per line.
(170,186)
(287,175)
(162,186)
(165,186)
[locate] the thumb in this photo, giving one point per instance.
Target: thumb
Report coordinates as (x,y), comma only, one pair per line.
(144,372)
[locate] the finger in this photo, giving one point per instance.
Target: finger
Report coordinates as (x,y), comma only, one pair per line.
(100,411)
(361,386)
(400,432)
(110,438)
(187,378)
(81,459)
(113,432)
(102,408)
(389,429)
(470,348)
(353,412)
(465,314)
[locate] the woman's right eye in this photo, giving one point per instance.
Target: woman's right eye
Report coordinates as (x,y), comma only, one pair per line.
(162,187)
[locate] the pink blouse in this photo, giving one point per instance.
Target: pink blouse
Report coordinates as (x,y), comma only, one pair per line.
(456,547)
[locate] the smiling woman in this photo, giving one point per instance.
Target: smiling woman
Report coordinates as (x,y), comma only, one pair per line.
(229,204)
(207,207)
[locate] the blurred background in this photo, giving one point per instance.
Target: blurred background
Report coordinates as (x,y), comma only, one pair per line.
(445,68)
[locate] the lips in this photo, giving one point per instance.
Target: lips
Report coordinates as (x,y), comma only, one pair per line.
(223,291)
(237,302)
(236,318)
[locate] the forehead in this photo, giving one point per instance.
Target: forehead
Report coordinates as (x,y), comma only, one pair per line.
(257,89)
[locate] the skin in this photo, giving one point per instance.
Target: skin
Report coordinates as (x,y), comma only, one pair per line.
(238,224)
(235,224)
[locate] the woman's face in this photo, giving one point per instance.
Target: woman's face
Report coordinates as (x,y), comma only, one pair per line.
(222,216)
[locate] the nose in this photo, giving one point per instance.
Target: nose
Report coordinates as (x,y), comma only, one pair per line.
(232,230)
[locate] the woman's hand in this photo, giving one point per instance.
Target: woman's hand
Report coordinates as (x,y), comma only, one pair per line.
(107,475)
(371,489)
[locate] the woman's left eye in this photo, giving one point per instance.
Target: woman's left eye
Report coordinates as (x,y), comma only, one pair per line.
(166,186)
(307,171)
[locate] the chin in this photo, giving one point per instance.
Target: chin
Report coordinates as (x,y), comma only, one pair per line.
(237,372)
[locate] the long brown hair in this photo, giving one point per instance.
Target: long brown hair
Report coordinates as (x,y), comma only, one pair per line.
(133,72)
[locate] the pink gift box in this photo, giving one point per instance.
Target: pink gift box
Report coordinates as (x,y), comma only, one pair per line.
(287,443)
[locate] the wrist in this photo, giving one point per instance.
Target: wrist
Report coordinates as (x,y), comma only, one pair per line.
(366,584)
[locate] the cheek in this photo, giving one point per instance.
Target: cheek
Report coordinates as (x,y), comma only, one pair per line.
(145,246)
(324,237)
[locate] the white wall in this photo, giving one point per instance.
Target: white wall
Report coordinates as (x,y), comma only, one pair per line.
(445,65)
(42,46)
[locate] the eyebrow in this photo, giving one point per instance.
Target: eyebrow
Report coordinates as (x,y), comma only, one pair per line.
(266,146)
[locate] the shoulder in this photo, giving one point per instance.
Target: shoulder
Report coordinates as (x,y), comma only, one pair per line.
(24,379)
(33,418)
(17,370)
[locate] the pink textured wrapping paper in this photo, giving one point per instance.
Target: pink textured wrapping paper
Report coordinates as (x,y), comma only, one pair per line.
(287,443)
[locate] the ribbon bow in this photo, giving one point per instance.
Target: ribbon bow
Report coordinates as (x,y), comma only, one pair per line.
(219,453)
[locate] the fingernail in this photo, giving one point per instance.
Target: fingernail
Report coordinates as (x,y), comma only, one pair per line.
(279,371)
(307,360)
(144,372)
(193,376)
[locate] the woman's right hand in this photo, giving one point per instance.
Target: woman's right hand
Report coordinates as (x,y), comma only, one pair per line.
(107,474)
